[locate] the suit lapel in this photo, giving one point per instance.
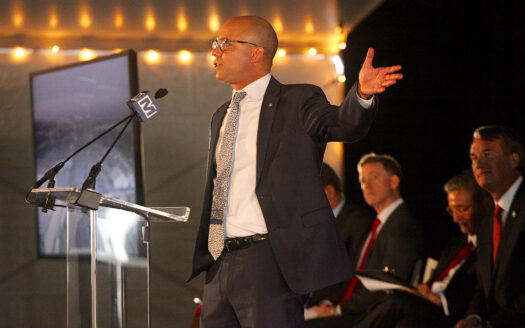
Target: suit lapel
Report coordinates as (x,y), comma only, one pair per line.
(266,117)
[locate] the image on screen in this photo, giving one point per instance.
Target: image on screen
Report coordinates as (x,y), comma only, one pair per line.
(71,105)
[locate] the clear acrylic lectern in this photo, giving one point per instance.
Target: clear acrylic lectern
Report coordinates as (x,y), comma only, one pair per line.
(107,257)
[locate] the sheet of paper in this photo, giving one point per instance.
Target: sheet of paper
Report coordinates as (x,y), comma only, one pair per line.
(374,284)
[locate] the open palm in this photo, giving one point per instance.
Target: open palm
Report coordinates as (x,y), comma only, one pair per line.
(374,80)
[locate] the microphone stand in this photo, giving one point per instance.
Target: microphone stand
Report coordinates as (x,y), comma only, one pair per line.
(51,173)
(88,197)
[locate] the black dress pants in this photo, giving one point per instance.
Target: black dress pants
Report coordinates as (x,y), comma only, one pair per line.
(244,288)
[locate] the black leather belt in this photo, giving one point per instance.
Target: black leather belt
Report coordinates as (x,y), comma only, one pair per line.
(233,244)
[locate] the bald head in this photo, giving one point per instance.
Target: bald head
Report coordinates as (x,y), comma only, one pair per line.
(258,31)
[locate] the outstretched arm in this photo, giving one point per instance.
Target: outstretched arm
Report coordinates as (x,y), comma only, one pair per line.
(374,80)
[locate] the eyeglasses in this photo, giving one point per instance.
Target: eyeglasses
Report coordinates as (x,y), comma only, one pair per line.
(224,44)
(461,210)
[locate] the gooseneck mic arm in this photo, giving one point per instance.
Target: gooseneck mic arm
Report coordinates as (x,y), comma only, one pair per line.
(90,181)
(50,174)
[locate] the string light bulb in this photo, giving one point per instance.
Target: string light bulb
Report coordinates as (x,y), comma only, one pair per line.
(85,19)
(214,23)
(19,53)
(53,20)
(119,19)
(185,56)
(152,56)
(86,54)
(182,23)
(150,22)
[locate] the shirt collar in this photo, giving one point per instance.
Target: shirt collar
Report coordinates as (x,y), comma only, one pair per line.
(339,206)
(385,214)
(506,200)
(473,239)
(255,91)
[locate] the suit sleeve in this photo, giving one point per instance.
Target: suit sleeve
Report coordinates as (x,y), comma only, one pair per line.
(324,122)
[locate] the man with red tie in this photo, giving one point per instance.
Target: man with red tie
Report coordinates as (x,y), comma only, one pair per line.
(497,157)
(445,297)
(395,241)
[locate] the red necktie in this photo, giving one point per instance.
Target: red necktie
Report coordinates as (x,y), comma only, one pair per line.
(496,232)
(462,254)
(350,290)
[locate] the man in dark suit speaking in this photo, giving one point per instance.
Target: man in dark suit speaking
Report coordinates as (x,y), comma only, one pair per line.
(267,232)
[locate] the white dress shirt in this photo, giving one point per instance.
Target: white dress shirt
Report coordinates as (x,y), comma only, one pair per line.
(339,206)
(243,215)
(506,200)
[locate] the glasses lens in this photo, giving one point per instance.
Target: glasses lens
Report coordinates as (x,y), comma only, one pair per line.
(214,44)
(223,44)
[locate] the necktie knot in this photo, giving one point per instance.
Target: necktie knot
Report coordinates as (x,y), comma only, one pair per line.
(237,97)
(376,224)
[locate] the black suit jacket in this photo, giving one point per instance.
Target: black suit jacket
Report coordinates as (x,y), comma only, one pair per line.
(398,246)
(295,123)
(461,287)
(500,294)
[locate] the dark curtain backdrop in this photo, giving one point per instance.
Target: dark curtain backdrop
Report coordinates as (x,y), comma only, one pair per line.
(463,67)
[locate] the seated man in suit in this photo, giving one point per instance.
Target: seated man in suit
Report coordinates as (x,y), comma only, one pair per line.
(353,222)
(394,242)
(444,298)
(497,157)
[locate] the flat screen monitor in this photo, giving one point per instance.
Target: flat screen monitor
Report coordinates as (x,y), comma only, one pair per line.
(71,105)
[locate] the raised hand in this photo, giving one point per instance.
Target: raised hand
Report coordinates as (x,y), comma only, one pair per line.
(374,80)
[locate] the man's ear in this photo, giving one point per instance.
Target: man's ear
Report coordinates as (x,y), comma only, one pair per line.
(394,181)
(330,191)
(257,55)
(514,160)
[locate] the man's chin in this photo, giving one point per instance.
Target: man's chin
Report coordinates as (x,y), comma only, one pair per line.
(483,182)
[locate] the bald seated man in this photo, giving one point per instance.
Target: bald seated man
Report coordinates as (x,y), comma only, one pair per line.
(267,232)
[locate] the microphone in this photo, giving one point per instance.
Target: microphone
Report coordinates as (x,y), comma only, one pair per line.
(49,175)
(144,104)
(161,93)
